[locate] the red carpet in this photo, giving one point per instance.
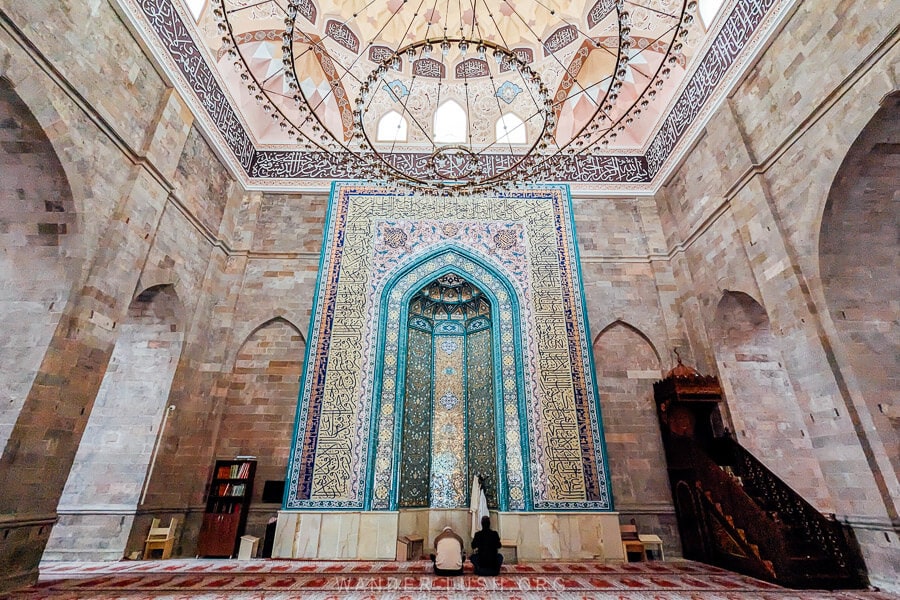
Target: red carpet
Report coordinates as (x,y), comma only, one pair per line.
(320,580)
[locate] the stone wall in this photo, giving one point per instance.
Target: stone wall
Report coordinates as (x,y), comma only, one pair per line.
(103,119)
(625,269)
(105,483)
(742,214)
(261,402)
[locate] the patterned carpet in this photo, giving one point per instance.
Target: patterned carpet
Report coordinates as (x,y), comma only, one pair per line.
(272,579)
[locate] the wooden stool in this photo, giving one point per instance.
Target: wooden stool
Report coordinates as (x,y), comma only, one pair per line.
(652,543)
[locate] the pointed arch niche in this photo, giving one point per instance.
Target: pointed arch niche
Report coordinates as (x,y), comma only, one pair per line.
(627,365)
(448,410)
(452,308)
(261,400)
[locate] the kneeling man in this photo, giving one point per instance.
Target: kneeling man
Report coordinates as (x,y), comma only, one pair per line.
(486,557)
(448,556)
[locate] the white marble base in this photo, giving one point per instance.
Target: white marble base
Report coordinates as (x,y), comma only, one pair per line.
(373,535)
(336,535)
(563,535)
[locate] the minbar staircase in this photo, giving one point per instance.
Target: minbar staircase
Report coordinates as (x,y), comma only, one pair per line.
(748,520)
(732,510)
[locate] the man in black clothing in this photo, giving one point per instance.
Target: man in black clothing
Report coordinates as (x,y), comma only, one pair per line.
(486,557)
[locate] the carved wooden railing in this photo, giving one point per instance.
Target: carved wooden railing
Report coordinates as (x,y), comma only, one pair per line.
(814,530)
(746,522)
(778,535)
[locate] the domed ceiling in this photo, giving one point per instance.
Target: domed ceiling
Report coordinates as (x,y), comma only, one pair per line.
(603,94)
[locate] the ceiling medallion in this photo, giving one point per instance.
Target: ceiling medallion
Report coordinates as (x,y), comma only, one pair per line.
(479,101)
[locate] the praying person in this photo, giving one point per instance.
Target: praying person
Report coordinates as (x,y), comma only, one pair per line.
(448,556)
(486,557)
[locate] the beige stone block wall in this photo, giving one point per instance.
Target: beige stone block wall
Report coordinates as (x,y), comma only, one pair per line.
(743,213)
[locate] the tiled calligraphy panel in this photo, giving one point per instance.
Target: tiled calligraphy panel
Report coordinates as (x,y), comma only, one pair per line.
(520,249)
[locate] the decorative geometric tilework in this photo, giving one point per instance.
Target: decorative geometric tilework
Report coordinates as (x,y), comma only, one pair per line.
(481,447)
(416,450)
(346,452)
(449,400)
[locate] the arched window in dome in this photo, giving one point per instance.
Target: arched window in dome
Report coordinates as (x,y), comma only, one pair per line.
(450,124)
(510,129)
(196,7)
(708,10)
(392,127)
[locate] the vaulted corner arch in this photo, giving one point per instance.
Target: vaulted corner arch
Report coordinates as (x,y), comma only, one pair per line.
(859,262)
(40,261)
(761,399)
(104,489)
(449,321)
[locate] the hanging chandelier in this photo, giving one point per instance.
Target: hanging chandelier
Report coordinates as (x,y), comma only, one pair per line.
(459,97)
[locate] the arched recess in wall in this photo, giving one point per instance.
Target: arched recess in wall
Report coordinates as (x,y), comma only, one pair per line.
(859,265)
(627,364)
(761,400)
(448,428)
(104,487)
(39,254)
(261,401)
(509,478)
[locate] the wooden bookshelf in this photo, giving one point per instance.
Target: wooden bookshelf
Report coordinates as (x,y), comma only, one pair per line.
(227,503)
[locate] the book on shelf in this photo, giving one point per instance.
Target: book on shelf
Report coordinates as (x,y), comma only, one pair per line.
(234,471)
(231,489)
(229,508)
